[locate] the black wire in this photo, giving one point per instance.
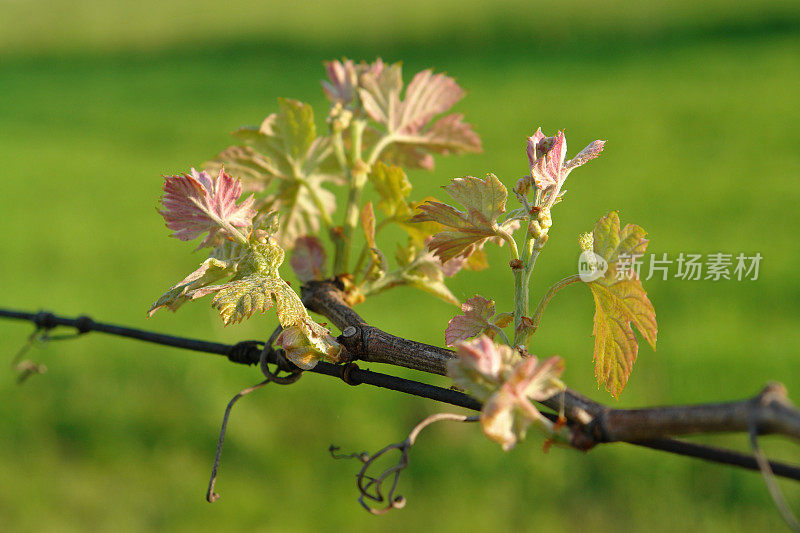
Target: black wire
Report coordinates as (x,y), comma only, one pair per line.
(248,352)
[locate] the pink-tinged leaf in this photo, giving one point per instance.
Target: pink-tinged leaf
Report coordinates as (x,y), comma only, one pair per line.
(478,365)
(484,201)
(620,302)
(427,95)
(533,146)
(308,259)
(195,203)
(506,383)
(587,154)
(549,169)
(477,319)
(410,121)
(380,93)
(344,76)
(507,414)
(343,81)
(450,134)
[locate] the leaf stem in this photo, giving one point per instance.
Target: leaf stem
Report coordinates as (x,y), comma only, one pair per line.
(379,147)
(500,332)
(357,177)
(327,221)
(224,224)
(537,314)
(513,251)
(363,255)
(522,278)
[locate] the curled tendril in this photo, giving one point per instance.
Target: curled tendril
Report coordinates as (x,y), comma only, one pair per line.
(272,377)
(370,488)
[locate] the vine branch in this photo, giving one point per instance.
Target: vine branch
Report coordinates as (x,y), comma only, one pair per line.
(773,414)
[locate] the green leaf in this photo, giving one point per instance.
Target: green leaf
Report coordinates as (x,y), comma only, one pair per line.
(189,288)
(620,302)
(484,201)
(284,159)
(434,286)
(393,186)
(295,125)
(241,298)
(224,261)
(256,286)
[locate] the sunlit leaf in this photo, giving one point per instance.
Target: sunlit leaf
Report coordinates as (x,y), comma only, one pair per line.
(284,159)
(433,285)
(307,342)
(476,320)
(620,301)
(484,201)
(479,364)
(507,414)
(343,78)
(549,167)
(188,289)
(196,203)
(378,265)
(393,186)
(409,121)
(507,384)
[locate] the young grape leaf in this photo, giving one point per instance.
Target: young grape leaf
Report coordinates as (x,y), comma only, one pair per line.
(620,300)
(549,167)
(368,224)
(476,320)
(506,415)
(506,383)
(308,259)
(196,203)
(378,265)
(343,79)
(428,276)
(408,121)
(307,343)
(484,201)
(240,298)
(255,286)
(188,289)
(393,186)
(284,156)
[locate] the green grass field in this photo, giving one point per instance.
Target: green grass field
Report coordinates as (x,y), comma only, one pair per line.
(700,109)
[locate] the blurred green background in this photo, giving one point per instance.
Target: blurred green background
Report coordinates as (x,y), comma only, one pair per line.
(698,101)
